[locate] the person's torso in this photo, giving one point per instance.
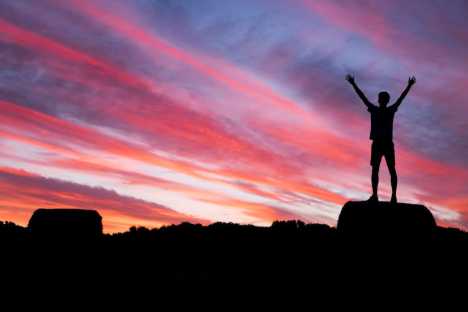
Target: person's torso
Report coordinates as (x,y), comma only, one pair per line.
(382,124)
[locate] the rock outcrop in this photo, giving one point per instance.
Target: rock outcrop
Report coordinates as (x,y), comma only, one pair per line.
(66,223)
(377,220)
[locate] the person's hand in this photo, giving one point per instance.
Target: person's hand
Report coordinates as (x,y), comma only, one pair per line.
(350,78)
(411,80)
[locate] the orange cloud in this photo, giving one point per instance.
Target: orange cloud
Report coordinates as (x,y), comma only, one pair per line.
(28,191)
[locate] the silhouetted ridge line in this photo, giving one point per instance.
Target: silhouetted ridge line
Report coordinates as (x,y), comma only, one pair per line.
(221,253)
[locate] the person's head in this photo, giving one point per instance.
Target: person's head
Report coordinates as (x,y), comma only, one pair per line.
(384,98)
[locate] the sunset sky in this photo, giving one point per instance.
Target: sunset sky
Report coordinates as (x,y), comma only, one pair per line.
(157,112)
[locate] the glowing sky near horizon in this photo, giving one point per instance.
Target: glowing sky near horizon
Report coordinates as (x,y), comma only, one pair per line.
(157,112)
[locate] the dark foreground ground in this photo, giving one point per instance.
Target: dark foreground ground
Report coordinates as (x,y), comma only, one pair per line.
(223,253)
(291,266)
(379,256)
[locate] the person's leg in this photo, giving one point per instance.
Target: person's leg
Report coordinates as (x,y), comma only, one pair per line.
(376,157)
(390,160)
(375,180)
(394,181)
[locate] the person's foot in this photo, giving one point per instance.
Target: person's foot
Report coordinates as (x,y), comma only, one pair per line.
(393,200)
(373,199)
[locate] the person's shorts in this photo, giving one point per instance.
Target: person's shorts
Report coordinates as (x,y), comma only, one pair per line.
(385,149)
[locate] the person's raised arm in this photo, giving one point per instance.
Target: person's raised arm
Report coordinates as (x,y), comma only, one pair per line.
(359,92)
(411,82)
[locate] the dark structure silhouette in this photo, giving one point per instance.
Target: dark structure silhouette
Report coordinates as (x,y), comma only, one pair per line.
(382,134)
(378,220)
(70,223)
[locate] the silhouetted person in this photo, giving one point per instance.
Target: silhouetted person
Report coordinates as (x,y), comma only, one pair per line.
(382,134)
